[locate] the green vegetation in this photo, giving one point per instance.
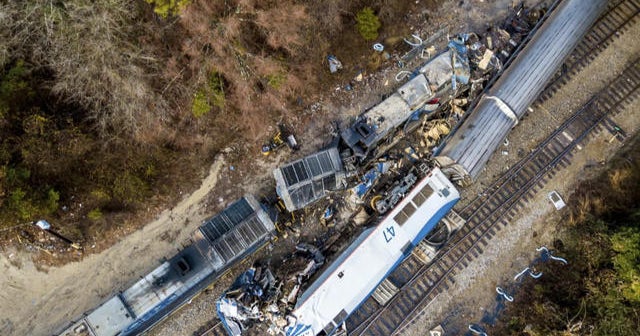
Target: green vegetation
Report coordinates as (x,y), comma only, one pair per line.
(95,214)
(598,292)
(626,245)
(98,98)
(200,105)
(276,80)
(368,24)
(211,94)
(166,8)
(216,89)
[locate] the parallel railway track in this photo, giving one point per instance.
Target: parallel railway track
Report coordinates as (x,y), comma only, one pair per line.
(487,214)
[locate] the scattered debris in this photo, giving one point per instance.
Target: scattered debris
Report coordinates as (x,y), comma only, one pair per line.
(360,190)
(546,254)
(477,330)
(527,271)
(45,226)
(249,297)
(260,296)
(283,136)
(399,132)
(504,294)
(557,201)
(437,331)
(418,42)
(382,203)
(334,64)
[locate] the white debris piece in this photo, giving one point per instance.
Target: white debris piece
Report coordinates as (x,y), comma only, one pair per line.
(556,200)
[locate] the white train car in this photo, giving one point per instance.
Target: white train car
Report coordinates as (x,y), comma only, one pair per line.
(355,274)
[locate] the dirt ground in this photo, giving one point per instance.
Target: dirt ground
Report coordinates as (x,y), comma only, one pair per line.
(538,222)
(58,295)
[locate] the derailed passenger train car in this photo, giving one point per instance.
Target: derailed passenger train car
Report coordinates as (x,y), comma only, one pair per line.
(357,271)
(467,152)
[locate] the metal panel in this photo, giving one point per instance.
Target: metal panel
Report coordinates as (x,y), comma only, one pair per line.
(325,162)
(314,165)
(289,175)
(224,222)
(304,181)
(301,171)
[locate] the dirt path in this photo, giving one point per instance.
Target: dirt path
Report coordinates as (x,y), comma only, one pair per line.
(33,302)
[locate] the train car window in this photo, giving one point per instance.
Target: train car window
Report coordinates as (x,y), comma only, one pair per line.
(418,199)
(400,218)
(405,213)
(409,209)
(427,191)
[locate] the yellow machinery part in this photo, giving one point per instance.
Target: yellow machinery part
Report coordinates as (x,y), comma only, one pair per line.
(375,200)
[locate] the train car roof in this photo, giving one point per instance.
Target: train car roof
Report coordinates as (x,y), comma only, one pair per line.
(233,231)
(164,281)
(468,150)
(110,318)
(304,181)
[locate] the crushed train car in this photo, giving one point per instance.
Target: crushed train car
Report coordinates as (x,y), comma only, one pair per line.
(435,79)
(302,182)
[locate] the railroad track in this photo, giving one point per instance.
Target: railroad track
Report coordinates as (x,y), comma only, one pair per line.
(620,15)
(494,209)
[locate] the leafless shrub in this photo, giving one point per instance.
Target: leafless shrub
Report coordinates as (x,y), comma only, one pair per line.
(284,25)
(90,48)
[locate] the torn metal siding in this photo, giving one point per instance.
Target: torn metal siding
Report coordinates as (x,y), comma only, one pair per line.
(469,149)
(377,122)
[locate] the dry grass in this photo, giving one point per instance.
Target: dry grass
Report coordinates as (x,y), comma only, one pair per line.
(612,192)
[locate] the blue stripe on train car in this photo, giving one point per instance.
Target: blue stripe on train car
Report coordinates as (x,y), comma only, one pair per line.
(429,225)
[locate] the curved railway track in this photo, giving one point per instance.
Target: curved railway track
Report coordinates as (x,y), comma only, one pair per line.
(419,284)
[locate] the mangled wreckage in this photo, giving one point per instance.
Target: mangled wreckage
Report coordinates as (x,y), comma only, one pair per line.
(259,295)
(429,86)
(432,103)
